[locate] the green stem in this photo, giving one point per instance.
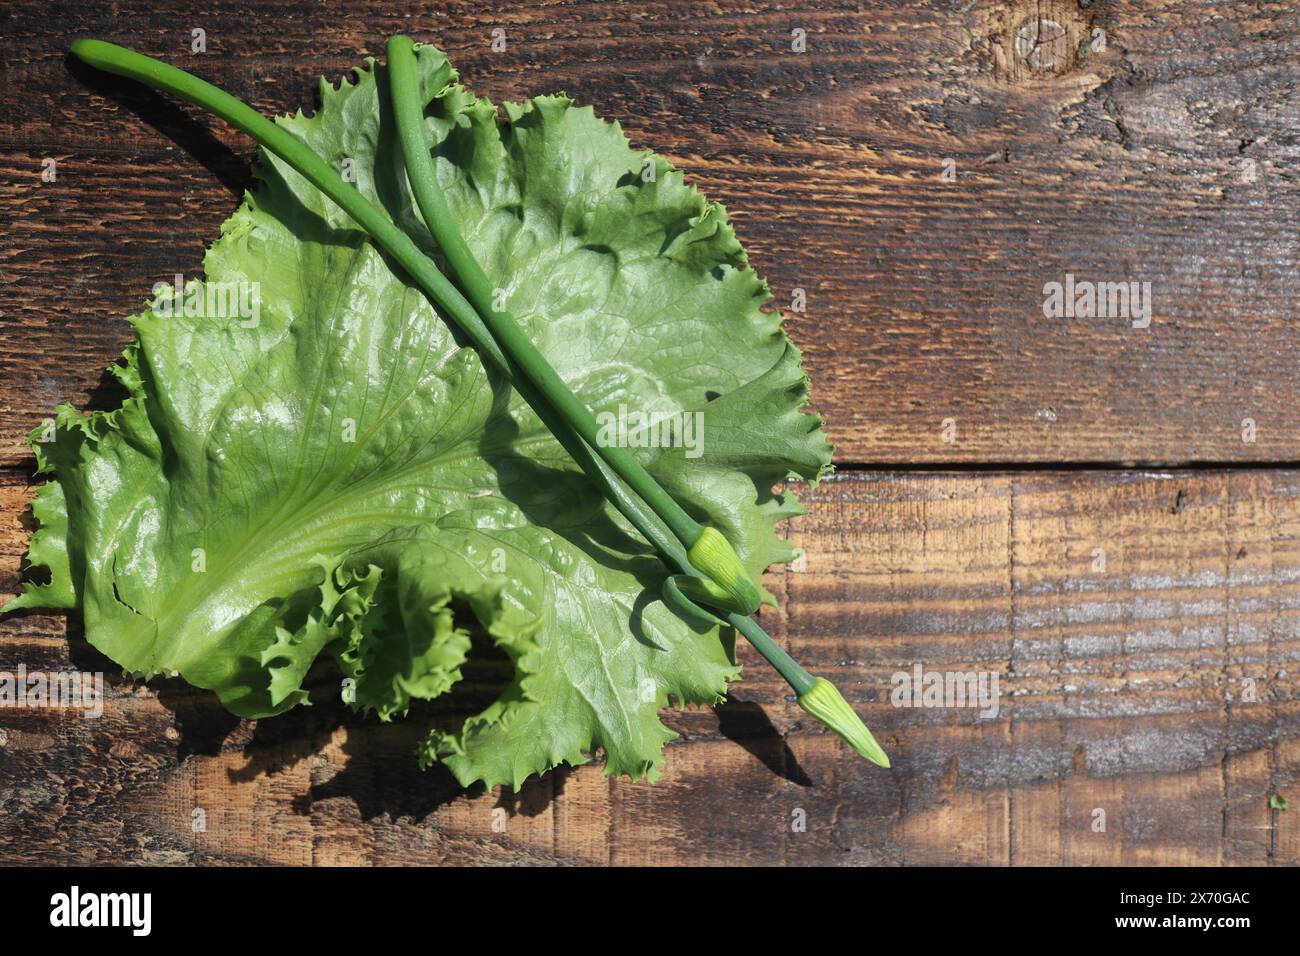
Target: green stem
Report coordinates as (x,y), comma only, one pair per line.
(709,551)
(154,73)
(408,110)
(800,680)
(709,548)
(505,343)
(570,421)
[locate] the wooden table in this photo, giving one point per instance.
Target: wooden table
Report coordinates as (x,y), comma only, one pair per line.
(1106,517)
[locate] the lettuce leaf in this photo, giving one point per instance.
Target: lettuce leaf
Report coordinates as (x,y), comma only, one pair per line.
(344,477)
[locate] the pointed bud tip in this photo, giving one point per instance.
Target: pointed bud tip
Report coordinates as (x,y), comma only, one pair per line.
(825,702)
(713,556)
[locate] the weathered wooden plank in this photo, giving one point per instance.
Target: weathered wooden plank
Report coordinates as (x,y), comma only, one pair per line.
(1144,629)
(1168,157)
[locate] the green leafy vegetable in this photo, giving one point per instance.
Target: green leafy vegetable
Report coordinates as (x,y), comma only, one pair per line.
(346,477)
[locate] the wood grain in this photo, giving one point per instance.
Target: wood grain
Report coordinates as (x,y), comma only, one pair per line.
(1160,687)
(1169,156)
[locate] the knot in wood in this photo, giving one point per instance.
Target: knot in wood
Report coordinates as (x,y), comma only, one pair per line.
(1042,43)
